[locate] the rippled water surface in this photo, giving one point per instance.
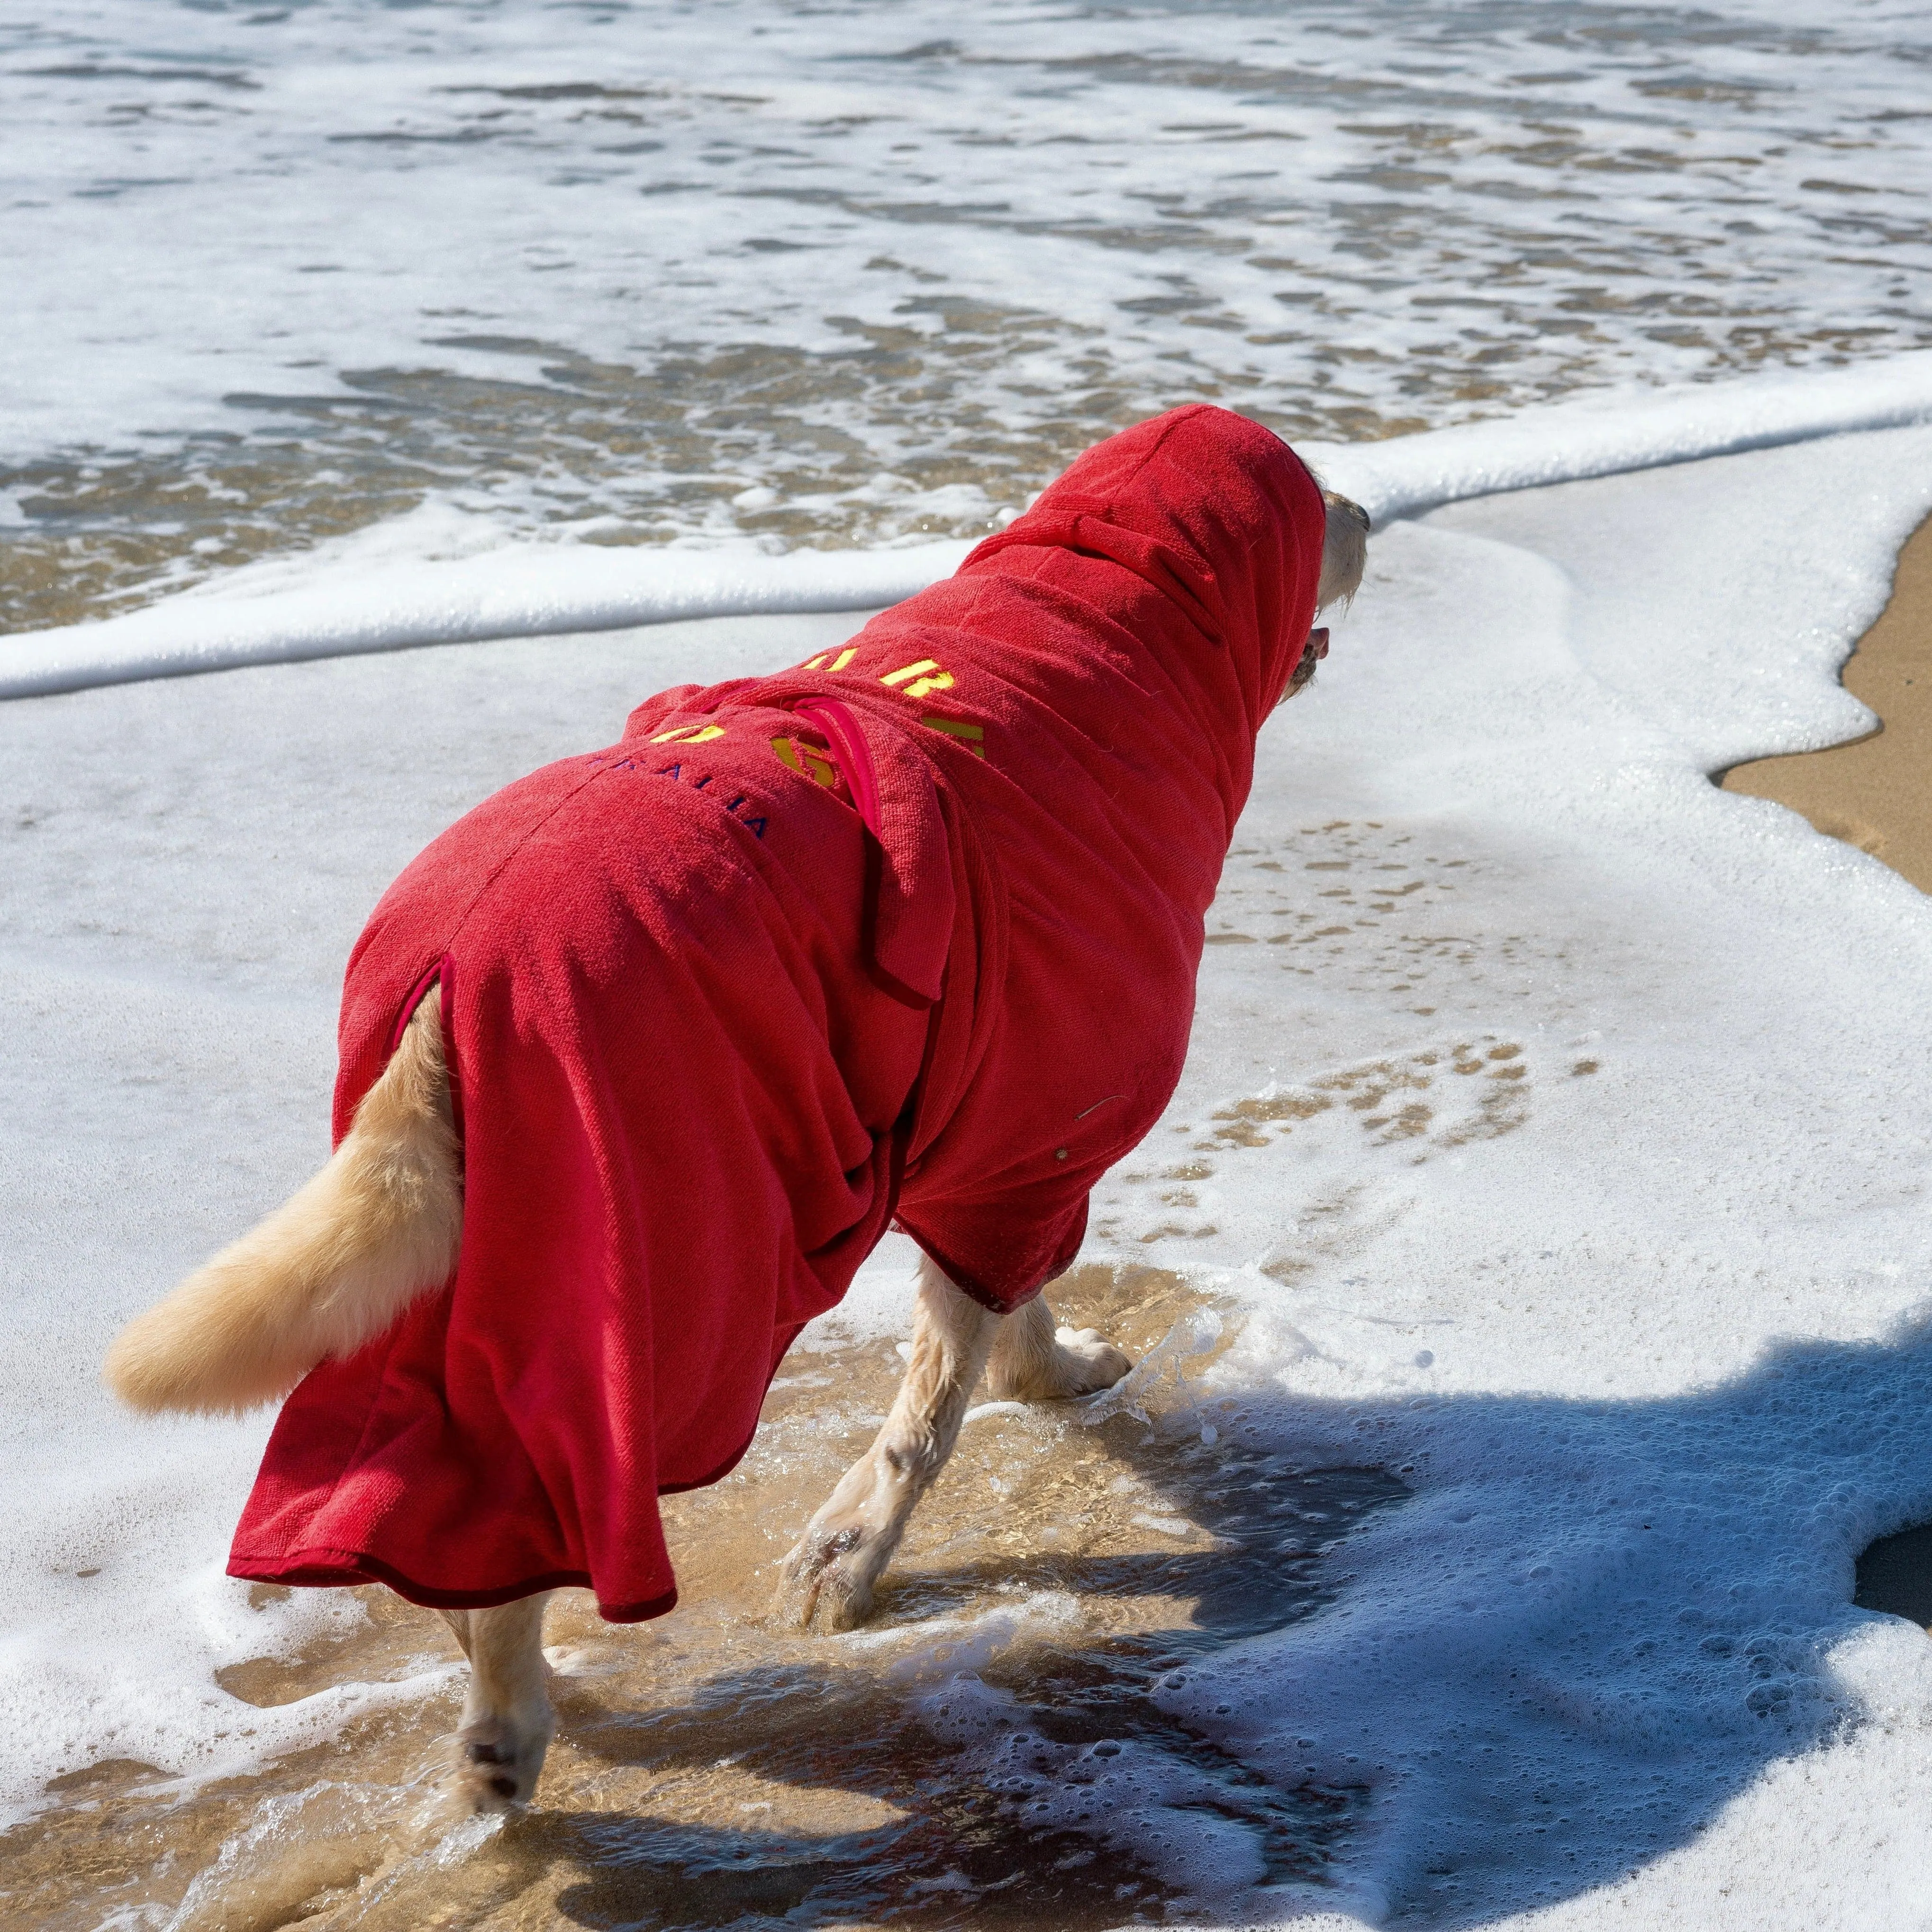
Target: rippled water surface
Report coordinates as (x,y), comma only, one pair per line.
(992,1751)
(839,274)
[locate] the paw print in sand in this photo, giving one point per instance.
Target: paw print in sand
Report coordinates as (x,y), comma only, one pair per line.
(1387,1098)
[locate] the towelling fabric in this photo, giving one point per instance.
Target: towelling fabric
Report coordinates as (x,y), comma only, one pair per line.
(909,932)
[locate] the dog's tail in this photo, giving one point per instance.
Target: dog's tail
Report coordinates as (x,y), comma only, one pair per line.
(330,1268)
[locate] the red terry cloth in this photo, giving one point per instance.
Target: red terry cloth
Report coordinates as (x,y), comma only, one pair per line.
(911,931)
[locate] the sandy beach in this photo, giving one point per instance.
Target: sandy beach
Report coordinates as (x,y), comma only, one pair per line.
(1876,793)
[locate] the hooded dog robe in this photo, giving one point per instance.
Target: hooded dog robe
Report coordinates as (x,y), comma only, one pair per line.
(909,932)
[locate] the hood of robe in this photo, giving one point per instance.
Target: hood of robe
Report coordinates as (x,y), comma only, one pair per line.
(1218,514)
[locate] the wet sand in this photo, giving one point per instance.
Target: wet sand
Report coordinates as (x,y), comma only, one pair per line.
(710,1768)
(1894,1575)
(1875,793)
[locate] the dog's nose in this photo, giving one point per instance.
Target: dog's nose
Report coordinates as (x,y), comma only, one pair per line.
(1317,646)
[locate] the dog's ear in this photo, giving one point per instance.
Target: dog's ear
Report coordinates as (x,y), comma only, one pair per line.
(1345,550)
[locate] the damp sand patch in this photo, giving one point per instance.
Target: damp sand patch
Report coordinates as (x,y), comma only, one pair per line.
(1875,792)
(1894,1575)
(993,1747)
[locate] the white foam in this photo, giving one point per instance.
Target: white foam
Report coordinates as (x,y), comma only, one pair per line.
(639,259)
(1604,1668)
(436,577)
(395,191)
(367,593)
(1604,435)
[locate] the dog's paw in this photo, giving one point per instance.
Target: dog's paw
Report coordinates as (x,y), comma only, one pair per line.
(825,1583)
(1085,1360)
(499,1761)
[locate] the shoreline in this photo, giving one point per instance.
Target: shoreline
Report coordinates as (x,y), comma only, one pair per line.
(1872,792)
(1875,792)
(378,587)
(711,1753)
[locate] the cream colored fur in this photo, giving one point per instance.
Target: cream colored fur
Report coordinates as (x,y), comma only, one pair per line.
(827,1582)
(508,1722)
(331,1267)
(1345,551)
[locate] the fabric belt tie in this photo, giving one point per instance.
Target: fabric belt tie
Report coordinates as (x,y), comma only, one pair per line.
(853,754)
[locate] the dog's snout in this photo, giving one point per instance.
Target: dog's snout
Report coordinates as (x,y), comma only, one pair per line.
(1317,646)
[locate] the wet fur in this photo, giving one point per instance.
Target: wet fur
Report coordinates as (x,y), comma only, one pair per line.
(382,1223)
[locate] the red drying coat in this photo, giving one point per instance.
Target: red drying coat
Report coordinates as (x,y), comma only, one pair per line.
(911,932)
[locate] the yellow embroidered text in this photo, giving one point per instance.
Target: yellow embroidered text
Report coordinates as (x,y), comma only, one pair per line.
(806,761)
(920,679)
(973,736)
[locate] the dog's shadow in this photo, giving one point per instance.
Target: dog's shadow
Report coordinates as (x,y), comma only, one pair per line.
(1034,1740)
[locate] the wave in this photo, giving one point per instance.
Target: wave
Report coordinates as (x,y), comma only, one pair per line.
(1604,434)
(370,593)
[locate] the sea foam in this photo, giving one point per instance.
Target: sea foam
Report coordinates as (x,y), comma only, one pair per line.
(436,577)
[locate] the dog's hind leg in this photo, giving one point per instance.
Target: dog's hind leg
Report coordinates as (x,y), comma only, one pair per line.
(827,1582)
(1033,1361)
(507,1719)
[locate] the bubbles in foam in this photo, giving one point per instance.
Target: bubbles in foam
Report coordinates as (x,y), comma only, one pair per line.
(827,277)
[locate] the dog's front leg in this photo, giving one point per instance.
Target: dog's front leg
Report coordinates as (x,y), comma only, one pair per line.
(826,1582)
(507,1719)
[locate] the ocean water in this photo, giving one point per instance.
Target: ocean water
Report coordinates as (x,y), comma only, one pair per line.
(1530,1282)
(842,274)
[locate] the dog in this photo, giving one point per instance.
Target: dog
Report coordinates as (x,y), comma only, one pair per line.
(640,1059)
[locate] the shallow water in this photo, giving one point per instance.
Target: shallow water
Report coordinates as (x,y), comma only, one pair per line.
(954,1763)
(852,273)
